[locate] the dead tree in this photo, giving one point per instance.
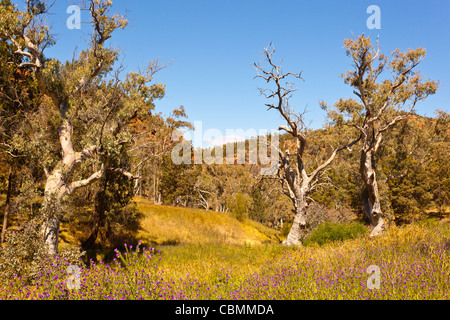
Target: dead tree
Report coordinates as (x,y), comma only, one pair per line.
(296,182)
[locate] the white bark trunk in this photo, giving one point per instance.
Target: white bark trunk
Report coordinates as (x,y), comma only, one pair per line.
(295,234)
(51,234)
(372,204)
(57,185)
(52,209)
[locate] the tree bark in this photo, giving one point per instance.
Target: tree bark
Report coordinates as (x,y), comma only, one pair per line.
(58,186)
(7,206)
(371,201)
(52,210)
(296,233)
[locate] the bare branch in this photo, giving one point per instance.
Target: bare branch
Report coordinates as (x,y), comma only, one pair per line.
(331,158)
(127,174)
(82,183)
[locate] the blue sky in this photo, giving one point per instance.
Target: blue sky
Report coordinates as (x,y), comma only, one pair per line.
(212,45)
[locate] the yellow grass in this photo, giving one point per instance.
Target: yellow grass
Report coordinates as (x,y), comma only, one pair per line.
(175,225)
(200,243)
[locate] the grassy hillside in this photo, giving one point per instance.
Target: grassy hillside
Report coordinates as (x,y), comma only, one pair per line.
(164,225)
(200,243)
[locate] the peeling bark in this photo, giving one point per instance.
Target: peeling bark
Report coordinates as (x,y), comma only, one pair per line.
(50,231)
(58,186)
(296,233)
(371,201)
(54,192)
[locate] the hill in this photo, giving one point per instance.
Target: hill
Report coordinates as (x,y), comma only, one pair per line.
(176,225)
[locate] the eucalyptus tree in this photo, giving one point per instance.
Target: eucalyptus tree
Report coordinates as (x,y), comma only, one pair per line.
(416,162)
(153,141)
(387,92)
(297,181)
(86,109)
(18,96)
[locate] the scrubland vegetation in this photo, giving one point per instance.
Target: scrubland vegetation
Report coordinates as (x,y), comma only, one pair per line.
(414,263)
(88,182)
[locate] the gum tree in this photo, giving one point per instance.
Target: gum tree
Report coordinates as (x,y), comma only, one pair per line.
(387,92)
(297,181)
(90,107)
(18,95)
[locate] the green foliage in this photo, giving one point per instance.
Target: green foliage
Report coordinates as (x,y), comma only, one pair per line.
(239,205)
(259,208)
(382,103)
(112,217)
(86,96)
(266,205)
(24,254)
(114,117)
(177,182)
(219,183)
(330,232)
(416,162)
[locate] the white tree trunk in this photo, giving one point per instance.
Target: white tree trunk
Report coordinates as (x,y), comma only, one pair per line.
(372,204)
(51,234)
(295,234)
(58,186)
(52,210)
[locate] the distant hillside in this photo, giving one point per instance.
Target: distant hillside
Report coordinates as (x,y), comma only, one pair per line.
(175,225)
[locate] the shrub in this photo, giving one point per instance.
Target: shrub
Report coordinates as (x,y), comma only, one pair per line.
(316,215)
(329,232)
(239,206)
(24,254)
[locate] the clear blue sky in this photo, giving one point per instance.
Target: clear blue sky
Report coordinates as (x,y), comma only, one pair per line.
(212,45)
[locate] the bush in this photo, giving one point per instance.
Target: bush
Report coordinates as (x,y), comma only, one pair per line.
(316,215)
(24,254)
(329,232)
(239,206)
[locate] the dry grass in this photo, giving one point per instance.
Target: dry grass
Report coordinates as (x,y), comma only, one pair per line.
(413,261)
(174,225)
